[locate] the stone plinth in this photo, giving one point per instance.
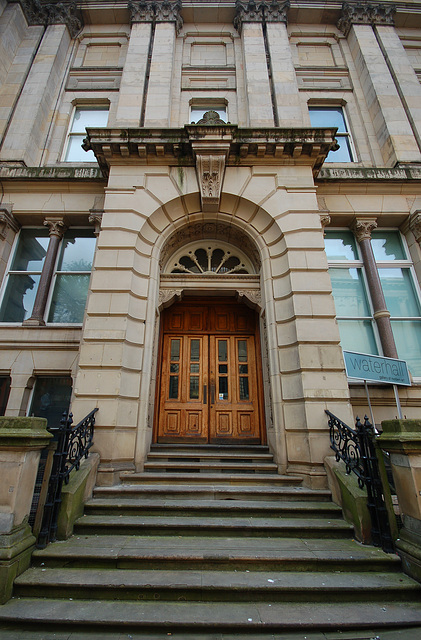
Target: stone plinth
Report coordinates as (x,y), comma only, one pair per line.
(21,441)
(402,440)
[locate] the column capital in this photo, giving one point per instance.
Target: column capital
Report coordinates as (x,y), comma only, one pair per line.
(365,13)
(44,14)
(260,11)
(56,226)
(7,220)
(415,225)
(362,228)
(152,11)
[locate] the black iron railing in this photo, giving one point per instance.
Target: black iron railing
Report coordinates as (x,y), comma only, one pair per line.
(72,445)
(357,449)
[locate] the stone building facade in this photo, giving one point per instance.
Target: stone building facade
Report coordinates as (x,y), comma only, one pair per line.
(246,204)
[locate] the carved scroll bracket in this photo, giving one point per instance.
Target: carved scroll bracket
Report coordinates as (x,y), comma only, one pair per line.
(251,297)
(210,169)
(167,297)
(415,225)
(7,220)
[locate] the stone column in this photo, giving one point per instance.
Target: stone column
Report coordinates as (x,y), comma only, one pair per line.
(26,135)
(402,440)
(362,229)
(393,129)
(21,441)
(249,23)
(132,87)
(57,228)
(158,96)
(284,79)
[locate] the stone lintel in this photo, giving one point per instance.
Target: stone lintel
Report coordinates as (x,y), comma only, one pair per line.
(174,147)
(371,13)
(46,13)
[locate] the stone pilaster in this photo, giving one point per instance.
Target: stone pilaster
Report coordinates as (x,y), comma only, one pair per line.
(415,225)
(44,14)
(393,129)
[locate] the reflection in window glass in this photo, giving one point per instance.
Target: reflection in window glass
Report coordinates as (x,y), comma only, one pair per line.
(242,351)
(329,117)
(84,117)
(340,245)
(349,292)
(51,398)
(387,245)
(244,389)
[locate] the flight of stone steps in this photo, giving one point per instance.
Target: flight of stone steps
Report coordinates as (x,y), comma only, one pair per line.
(211,539)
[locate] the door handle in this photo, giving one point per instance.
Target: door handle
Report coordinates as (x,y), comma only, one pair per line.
(212,392)
(205,394)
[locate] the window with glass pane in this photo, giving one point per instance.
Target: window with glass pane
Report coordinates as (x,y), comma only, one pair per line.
(401,294)
(83,117)
(352,302)
(72,277)
(334,117)
(51,398)
(24,273)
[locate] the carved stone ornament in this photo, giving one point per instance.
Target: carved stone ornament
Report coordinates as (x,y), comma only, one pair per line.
(40,13)
(210,174)
(95,218)
(169,296)
(7,221)
(252,298)
(263,11)
(325,219)
(206,231)
(365,13)
(154,11)
(415,225)
(210,118)
(362,228)
(56,226)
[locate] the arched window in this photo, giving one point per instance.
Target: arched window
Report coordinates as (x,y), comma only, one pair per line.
(209,257)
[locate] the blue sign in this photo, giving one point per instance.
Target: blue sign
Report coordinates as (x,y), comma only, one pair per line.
(376,368)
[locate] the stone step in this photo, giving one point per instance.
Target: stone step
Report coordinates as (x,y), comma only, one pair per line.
(196,456)
(211,448)
(210,492)
(204,466)
(239,617)
(214,508)
(203,526)
(222,553)
(237,479)
(215,586)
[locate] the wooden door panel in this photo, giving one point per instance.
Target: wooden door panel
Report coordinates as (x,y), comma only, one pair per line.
(209,388)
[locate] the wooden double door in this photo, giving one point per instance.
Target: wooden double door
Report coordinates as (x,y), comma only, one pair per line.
(210,383)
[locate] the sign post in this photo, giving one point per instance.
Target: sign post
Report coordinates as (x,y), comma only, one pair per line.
(362,366)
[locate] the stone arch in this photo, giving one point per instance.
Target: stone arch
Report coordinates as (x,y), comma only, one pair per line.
(267,241)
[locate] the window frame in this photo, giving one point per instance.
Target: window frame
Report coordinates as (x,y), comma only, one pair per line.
(339,134)
(52,284)
(70,134)
(406,264)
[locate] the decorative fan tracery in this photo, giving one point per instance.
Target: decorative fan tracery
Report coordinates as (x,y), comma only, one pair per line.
(209,258)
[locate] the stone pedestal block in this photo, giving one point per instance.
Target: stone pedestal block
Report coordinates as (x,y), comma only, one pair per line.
(402,440)
(21,441)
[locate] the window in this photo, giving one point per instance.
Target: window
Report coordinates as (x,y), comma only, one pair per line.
(4,393)
(197,113)
(69,285)
(83,117)
(334,117)
(51,398)
(353,306)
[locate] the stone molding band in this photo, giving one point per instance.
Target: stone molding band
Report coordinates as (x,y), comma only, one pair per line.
(260,11)
(45,14)
(365,13)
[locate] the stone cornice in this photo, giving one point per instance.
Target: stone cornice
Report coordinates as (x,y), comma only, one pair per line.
(260,11)
(176,147)
(154,11)
(365,13)
(42,13)
(363,174)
